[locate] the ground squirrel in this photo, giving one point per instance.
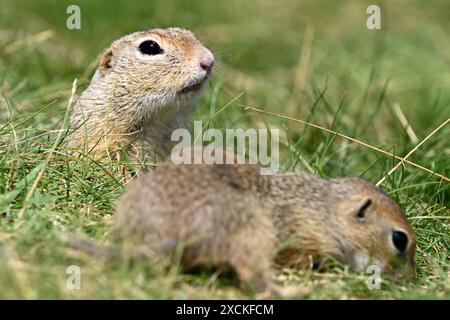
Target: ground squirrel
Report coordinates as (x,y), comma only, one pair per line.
(145,86)
(230,215)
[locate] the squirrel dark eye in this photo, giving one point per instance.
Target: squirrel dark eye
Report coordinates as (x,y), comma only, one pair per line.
(150,47)
(400,240)
(361,214)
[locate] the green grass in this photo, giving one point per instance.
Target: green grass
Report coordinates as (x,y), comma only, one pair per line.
(350,83)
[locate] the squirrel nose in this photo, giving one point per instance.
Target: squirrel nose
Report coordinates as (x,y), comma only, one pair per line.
(207,62)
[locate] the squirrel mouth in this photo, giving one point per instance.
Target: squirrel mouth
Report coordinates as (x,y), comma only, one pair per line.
(194,86)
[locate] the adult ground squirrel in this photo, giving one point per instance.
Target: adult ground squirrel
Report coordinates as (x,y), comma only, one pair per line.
(230,215)
(145,86)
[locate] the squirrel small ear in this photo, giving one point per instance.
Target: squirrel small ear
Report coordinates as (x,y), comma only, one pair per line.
(361,213)
(106,60)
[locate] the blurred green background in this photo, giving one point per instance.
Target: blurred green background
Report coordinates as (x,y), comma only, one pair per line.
(311,60)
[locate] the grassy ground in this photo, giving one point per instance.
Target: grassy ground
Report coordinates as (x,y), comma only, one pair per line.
(311,60)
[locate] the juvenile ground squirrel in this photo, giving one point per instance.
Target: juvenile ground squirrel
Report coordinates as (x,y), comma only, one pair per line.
(145,86)
(230,215)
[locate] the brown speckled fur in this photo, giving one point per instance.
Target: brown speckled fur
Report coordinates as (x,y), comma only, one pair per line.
(232,215)
(135,101)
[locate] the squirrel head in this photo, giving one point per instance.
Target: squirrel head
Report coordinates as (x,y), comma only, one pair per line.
(347,219)
(158,68)
(373,229)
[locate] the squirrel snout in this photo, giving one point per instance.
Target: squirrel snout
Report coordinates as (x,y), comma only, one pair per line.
(207,61)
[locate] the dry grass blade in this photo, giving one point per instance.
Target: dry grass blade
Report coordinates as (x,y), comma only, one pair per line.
(301,73)
(348,138)
(216,114)
(401,117)
(29,40)
(412,151)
